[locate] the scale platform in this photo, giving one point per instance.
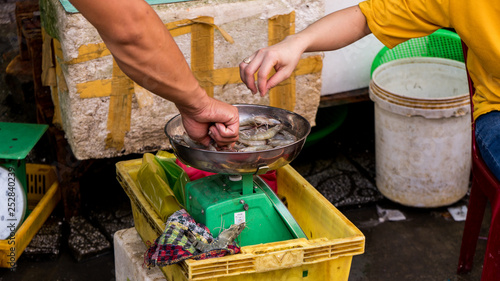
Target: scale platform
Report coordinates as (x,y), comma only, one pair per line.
(218,201)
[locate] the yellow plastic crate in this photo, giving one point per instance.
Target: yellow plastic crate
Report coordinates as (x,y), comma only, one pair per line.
(43,196)
(327,255)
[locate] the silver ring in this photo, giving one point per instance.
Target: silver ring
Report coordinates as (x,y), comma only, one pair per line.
(247,60)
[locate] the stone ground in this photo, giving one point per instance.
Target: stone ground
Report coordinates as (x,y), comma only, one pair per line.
(423,246)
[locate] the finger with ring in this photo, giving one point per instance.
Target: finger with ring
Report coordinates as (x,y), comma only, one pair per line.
(247,60)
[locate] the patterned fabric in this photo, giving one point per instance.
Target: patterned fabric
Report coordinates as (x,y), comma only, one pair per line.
(175,244)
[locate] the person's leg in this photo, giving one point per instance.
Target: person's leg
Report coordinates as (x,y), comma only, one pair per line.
(488,140)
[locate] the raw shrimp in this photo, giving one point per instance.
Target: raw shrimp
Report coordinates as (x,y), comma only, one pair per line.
(264,134)
(252,142)
(256,134)
(223,240)
(255,148)
(279,142)
(259,120)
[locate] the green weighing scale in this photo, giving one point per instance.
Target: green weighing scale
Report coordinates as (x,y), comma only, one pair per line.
(16,141)
(236,194)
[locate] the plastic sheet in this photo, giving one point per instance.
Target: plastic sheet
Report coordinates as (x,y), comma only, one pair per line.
(176,176)
(153,182)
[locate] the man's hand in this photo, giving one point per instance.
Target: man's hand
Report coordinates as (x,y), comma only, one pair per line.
(213,120)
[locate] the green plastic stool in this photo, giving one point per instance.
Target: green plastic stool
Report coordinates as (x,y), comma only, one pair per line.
(441,44)
(16,141)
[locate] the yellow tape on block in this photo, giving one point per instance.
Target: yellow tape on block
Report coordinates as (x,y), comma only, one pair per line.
(48,68)
(202,53)
(61,80)
(120,107)
(214,77)
(283,95)
(309,65)
(184,26)
(202,63)
(209,21)
(90,52)
(221,76)
(94,89)
(93,51)
(61,87)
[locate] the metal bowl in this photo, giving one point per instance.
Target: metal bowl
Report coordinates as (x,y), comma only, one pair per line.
(238,163)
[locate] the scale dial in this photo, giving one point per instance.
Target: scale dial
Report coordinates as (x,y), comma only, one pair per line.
(12,202)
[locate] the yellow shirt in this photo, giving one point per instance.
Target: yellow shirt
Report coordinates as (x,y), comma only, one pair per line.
(477,22)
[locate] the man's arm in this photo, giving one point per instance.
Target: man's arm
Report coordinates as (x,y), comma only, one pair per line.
(146,52)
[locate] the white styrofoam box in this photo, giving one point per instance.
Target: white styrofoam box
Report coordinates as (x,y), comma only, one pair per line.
(85,119)
(348,68)
(129,256)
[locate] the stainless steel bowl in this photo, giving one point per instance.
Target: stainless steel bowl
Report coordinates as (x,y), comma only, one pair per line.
(237,163)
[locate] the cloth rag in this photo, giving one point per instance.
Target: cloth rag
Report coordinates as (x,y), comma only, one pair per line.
(175,244)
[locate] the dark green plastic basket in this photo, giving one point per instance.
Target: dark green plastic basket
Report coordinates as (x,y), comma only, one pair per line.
(442,44)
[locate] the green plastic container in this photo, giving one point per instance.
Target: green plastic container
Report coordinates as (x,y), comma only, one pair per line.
(218,201)
(327,121)
(441,44)
(16,141)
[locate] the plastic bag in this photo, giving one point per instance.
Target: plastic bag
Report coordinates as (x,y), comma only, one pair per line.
(176,176)
(153,181)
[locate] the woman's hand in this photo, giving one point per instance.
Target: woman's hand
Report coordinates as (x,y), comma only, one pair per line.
(283,57)
(331,32)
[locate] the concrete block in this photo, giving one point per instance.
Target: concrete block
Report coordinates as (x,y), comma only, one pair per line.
(84,68)
(110,220)
(129,257)
(85,241)
(46,244)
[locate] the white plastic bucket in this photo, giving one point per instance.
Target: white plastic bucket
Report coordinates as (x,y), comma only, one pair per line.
(422,131)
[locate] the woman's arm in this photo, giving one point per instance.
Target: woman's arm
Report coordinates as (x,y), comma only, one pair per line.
(146,52)
(332,32)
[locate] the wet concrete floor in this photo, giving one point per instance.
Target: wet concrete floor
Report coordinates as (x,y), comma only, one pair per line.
(423,246)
